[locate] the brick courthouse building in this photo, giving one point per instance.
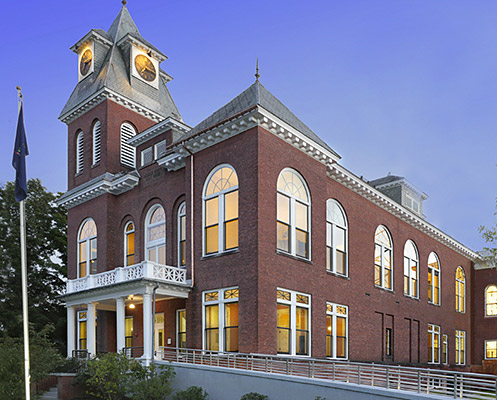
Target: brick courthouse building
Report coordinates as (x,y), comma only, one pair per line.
(245,231)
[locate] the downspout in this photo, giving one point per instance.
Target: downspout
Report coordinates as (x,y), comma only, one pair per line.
(192,260)
(153,320)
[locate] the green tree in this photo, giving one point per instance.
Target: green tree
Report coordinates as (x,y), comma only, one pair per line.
(46,261)
(489,253)
(150,383)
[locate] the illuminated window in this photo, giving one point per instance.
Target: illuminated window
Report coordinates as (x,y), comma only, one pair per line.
(155,235)
(127,151)
(445,349)
(96,142)
(221,319)
(383,258)
(82,330)
(182,235)
(460,290)
(87,248)
(336,238)
(181,328)
(336,331)
(129,244)
(293,214)
(491,301)
(410,269)
(128,332)
(293,322)
(433,344)
(221,210)
(433,279)
(460,347)
(80,147)
(490,349)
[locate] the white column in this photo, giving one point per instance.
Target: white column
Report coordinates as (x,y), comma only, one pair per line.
(120,324)
(91,332)
(147,326)
(71,334)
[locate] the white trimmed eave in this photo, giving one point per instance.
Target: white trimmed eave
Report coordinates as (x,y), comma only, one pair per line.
(346,178)
(106,183)
(406,183)
(103,94)
(157,129)
(91,36)
(130,39)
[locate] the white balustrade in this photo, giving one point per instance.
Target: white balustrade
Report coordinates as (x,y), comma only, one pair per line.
(146,269)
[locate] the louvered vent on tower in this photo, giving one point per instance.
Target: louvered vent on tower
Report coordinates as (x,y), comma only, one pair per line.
(79,152)
(127,151)
(96,142)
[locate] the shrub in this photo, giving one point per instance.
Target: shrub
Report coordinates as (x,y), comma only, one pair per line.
(254,396)
(192,393)
(150,383)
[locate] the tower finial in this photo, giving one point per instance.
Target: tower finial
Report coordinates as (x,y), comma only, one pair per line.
(257,75)
(124,2)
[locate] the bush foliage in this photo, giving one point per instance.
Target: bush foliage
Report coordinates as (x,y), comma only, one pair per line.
(254,396)
(192,393)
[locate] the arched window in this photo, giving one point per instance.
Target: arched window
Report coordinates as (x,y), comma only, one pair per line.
(293,214)
(221,210)
(434,278)
(129,244)
(182,235)
(460,290)
(128,152)
(155,236)
(491,301)
(87,248)
(383,258)
(96,142)
(336,238)
(411,261)
(79,152)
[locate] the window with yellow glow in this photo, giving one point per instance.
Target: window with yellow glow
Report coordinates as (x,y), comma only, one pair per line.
(221,210)
(129,244)
(87,248)
(128,331)
(460,290)
(155,235)
(82,331)
(433,279)
(182,235)
(336,238)
(221,320)
(490,349)
(293,214)
(491,301)
(460,347)
(383,258)
(336,330)
(411,273)
(181,329)
(433,344)
(445,349)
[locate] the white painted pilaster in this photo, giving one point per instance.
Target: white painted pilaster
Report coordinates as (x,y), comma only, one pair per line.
(91,333)
(147,326)
(120,324)
(71,334)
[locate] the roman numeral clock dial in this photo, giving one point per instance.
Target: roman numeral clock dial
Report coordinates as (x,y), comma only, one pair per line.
(85,63)
(145,68)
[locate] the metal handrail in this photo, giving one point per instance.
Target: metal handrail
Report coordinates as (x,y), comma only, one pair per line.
(467,385)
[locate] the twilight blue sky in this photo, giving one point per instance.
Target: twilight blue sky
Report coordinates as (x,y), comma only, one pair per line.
(407,87)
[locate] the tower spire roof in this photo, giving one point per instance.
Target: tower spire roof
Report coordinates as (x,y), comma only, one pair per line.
(123,24)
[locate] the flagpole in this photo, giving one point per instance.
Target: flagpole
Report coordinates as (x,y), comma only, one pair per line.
(27,377)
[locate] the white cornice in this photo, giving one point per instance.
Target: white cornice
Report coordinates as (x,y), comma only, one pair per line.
(92,35)
(103,94)
(130,39)
(157,129)
(348,179)
(106,183)
(405,183)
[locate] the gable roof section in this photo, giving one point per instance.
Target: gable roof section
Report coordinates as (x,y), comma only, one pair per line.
(254,95)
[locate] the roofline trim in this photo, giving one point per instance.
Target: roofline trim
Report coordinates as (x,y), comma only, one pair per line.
(89,36)
(157,129)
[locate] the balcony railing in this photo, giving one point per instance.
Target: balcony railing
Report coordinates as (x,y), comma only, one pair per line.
(461,385)
(146,269)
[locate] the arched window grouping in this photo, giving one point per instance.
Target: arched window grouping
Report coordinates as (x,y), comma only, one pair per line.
(336,238)
(460,290)
(293,214)
(220,198)
(433,279)
(87,248)
(491,301)
(79,152)
(411,273)
(155,231)
(128,152)
(383,250)
(96,142)
(129,244)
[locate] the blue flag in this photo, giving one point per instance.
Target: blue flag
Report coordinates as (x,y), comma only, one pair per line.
(19,159)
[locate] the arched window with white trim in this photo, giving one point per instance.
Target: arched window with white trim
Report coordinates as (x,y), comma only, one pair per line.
(491,301)
(460,290)
(155,235)
(220,198)
(128,152)
(96,142)
(129,244)
(293,226)
(182,235)
(411,270)
(336,238)
(434,275)
(383,261)
(80,152)
(87,248)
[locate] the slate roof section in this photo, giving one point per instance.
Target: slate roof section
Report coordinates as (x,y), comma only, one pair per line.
(256,94)
(385,179)
(114,74)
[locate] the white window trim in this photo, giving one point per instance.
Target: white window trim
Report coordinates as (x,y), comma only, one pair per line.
(97,150)
(409,271)
(293,320)
(127,132)
(485,349)
(485,302)
(88,247)
(382,268)
(177,325)
(156,146)
(80,319)
(439,280)
(445,340)
(434,332)
(143,155)
(155,243)
(292,223)
(221,301)
(460,335)
(80,152)
(333,246)
(181,213)
(464,293)
(220,222)
(126,242)
(334,316)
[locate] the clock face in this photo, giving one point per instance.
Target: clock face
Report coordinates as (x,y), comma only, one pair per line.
(145,67)
(85,63)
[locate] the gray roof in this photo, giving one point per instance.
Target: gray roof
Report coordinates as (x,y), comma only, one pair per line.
(257,94)
(114,74)
(385,179)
